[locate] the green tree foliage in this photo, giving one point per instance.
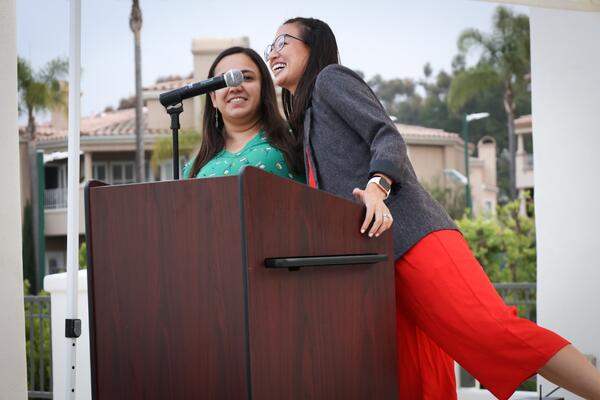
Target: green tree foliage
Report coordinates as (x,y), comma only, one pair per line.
(40,90)
(189,142)
(426,101)
(399,97)
(505,246)
(434,112)
(431,110)
(452,198)
(83,256)
(504,61)
(37,340)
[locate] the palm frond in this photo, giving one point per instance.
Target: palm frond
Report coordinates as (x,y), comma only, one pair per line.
(189,141)
(41,90)
(56,69)
(469,84)
(471,39)
(502,19)
(24,73)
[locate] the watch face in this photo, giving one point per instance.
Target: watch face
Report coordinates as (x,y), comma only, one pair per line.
(384,184)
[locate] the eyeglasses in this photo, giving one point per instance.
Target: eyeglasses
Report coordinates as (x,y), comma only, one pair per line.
(278,44)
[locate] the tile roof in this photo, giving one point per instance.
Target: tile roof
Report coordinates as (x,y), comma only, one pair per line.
(424,132)
(523,121)
(122,123)
(114,123)
(168,85)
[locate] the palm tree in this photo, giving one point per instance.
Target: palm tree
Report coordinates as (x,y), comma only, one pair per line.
(39,92)
(135,23)
(189,142)
(504,60)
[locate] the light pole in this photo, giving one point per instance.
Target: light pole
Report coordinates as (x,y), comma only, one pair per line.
(468,118)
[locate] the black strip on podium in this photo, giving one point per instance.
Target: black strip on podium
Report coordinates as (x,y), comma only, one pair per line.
(324,261)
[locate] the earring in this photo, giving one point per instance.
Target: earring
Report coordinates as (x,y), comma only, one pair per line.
(216,118)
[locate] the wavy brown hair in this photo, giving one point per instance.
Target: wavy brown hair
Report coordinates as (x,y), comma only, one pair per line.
(319,38)
(275,127)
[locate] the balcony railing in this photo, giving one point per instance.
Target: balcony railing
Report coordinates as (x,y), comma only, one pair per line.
(521,295)
(55,198)
(39,347)
(39,354)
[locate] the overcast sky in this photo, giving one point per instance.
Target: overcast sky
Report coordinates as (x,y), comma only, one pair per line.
(394,38)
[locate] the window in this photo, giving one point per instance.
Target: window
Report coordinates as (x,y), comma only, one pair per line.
(51,177)
(55,262)
(166,169)
(122,172)
(114,172)
(62,176)
(55,193)
(99,171)
(149,172)
(488,207)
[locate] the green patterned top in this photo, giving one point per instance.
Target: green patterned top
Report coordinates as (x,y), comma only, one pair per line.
(258,152)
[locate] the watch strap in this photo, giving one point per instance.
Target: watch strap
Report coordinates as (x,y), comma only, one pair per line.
(382,184)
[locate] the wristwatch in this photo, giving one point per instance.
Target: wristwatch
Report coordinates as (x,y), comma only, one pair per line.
(382,184)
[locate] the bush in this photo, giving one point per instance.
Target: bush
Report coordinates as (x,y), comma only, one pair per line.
(504,246)
(83,256)
(451,198)
(38,341)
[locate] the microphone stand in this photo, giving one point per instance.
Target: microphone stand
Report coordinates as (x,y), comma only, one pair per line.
(174,112)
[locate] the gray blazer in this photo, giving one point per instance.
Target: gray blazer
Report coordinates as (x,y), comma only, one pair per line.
(348,136)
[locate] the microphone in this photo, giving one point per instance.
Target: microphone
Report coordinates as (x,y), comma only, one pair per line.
(233,77)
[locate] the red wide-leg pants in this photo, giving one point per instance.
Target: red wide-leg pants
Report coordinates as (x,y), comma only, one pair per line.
(448,309)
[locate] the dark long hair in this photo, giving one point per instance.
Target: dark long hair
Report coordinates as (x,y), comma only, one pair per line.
(275,127)
(319,37)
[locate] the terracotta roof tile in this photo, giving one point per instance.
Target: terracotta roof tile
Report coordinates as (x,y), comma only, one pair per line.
(114,123)
(423,132)
(122,122)
(168,85)
(523,121)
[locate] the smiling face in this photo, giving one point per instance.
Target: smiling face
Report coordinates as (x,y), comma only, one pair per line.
(238,105)
(289,63)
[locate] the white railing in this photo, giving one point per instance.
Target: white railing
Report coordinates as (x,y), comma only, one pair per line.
(39,347)
(523,296)
(55,198)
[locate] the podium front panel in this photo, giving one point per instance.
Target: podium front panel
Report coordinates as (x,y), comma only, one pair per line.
(167,293)
(317,332)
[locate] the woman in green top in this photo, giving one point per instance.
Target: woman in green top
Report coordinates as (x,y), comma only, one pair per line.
(242,125)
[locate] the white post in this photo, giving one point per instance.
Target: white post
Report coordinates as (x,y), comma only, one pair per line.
(565,65)
(73,188)
(13,381)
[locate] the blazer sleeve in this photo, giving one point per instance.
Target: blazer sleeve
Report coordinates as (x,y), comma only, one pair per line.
(348,96)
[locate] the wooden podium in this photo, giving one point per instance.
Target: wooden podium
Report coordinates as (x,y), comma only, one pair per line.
(224,288)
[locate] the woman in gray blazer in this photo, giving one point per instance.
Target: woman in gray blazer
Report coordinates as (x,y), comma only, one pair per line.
(446,306)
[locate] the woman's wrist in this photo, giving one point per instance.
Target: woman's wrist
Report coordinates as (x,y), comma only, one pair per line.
(377,190)
(382,184)
(389,181)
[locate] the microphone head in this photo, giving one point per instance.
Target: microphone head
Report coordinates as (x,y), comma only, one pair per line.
(234,77)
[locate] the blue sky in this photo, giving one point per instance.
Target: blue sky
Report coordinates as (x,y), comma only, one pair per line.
(392,38)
